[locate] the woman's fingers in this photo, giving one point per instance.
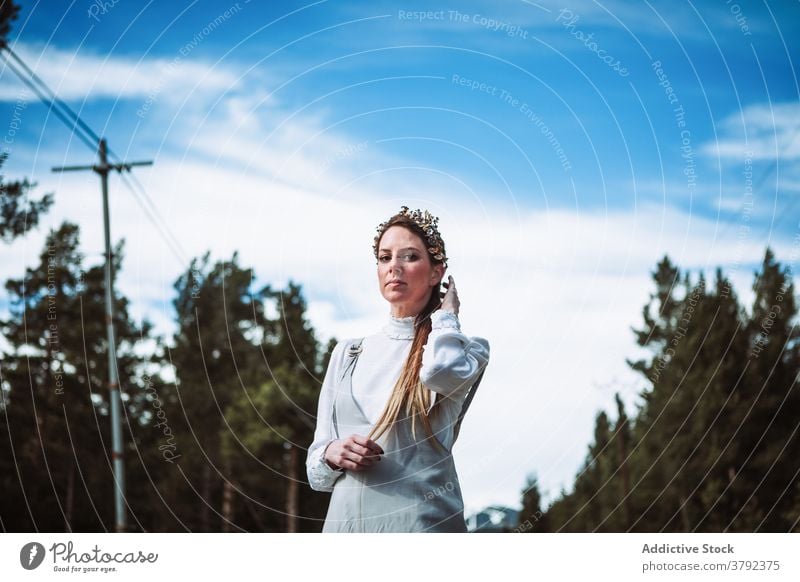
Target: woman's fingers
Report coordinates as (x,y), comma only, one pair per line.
(450,301)
(364,452)
(359,453)
(358,449)
(357,459)
(368,443)
(350,465)
(350,460)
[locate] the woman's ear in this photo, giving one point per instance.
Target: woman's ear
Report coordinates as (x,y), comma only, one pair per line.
(438,274)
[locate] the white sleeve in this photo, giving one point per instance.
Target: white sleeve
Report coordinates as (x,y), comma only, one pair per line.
(321,476)
(451,361)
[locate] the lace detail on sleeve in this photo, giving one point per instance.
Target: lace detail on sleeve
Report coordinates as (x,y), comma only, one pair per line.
(321,476)
(441,318)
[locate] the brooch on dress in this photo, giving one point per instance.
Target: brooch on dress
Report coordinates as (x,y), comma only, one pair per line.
(355,350)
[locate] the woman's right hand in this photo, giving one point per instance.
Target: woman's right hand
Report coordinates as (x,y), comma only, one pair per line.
(450,300)
(354,453)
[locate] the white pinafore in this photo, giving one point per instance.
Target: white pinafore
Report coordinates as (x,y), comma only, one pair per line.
(413,488)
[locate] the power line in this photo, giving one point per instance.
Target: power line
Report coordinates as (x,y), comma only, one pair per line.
(152,213)
(89,137)
(53,97)
(72,125)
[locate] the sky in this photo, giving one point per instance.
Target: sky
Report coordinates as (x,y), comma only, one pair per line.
(566,147)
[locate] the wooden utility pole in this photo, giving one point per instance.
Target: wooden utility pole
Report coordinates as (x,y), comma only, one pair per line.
(103,168)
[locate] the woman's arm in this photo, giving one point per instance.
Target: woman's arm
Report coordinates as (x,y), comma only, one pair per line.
(451,361)
(321,476)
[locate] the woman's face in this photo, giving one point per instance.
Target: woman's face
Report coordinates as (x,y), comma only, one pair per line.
(405,271)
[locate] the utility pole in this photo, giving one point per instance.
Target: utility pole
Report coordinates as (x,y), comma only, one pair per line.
(103,168)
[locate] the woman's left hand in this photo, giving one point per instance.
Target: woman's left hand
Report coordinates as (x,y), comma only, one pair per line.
(450,300)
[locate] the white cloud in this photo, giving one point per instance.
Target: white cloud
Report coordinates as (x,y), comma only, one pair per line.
(85,75)
(762,131)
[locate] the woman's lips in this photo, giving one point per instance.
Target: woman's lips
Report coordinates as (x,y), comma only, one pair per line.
(395,283)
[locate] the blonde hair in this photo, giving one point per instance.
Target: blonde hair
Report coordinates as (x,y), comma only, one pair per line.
(409,393)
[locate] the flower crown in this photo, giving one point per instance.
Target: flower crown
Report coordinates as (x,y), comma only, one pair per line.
(429,225)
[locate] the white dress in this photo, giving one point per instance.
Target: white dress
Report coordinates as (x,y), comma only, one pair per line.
(414,487)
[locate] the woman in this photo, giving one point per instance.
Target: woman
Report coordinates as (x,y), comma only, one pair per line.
(386,474)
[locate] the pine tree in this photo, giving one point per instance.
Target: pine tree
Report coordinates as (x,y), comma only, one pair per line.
(56,466)
(719,367)
(215,356)
(16,218)
(532,518)
(622,445)
(659,329)
(713,446)
(683,429)
(280,413)
(767,444)
(9,11)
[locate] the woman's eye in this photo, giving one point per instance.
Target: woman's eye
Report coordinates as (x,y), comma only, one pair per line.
(407,257)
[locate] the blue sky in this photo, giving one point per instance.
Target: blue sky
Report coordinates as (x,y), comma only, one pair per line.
(566,147)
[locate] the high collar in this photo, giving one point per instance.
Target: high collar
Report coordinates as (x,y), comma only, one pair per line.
(400,327)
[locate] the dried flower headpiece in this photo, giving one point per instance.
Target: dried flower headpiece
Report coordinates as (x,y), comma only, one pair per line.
(429,225)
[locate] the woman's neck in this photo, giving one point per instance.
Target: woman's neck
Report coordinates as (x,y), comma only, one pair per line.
(405,310)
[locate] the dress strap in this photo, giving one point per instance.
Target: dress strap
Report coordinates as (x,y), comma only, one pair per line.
(352,355)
